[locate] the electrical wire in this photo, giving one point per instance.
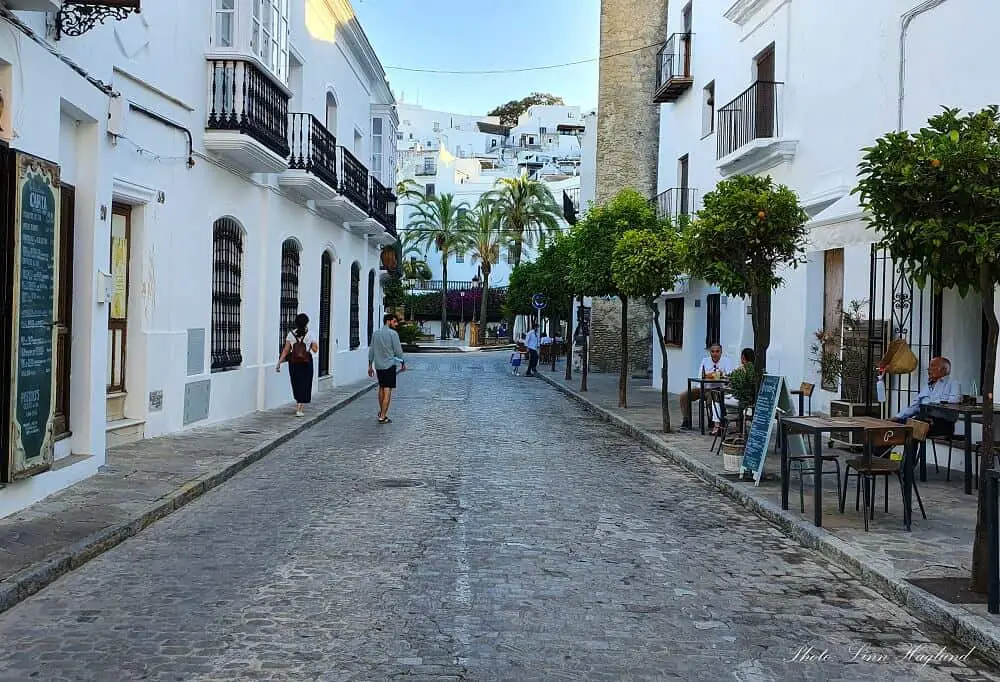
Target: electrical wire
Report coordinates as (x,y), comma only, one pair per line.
(149,154)
(528,68)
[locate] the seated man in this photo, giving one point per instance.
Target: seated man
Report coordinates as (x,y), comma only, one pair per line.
(715,364)
(941,388)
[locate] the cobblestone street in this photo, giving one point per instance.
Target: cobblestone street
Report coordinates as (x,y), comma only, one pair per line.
(493,531)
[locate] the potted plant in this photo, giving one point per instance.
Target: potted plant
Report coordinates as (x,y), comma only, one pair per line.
(743,383)
(841,354)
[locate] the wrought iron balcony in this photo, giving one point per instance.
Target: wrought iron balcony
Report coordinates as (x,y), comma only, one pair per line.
(247,103)
(753,115)
(353,179)
(675,202)
(382,206)
(313,148)
(673,68)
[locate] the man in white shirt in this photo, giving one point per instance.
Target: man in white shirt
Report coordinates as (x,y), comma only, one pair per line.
(941,388)
(531,342)
(715,365)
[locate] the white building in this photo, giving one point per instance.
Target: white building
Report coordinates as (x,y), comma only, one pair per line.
(773,87)
(464,155)
(218,177)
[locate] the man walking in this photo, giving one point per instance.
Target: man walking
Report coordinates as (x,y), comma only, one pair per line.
(384,352)
(531,342)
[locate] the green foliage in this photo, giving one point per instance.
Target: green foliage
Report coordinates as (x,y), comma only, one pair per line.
(748,228)
(934,197)
(547,275)
(597,234)
(393,292)
(744,381)
(409,333)
(646,261)
(527,210)
(512,110)
(414,269)
(442,223)
(524,282)
(485,235)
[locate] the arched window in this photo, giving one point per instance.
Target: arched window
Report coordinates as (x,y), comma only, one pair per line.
(331,113)
(355,307)
(325,312)
(227,261)
(289,288)
(371,306)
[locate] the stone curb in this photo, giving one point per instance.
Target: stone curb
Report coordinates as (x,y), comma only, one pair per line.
(30,580)
(970,630)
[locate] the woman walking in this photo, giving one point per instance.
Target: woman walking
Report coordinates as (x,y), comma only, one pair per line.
(299,348)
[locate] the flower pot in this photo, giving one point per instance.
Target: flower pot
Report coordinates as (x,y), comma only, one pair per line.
(732,454)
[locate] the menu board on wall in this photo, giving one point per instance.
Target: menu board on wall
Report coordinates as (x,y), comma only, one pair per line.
(35,225)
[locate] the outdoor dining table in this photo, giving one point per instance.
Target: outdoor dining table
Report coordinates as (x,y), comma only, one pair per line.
(816,427)
(703,403)
(953,412)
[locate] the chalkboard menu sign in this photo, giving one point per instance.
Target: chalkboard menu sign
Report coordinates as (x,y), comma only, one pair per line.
(35,226)
(759,436)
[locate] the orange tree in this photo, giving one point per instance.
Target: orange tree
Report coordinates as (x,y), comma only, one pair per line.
(934,198)
(747,231)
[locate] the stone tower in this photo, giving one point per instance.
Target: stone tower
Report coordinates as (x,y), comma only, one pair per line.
(628,126)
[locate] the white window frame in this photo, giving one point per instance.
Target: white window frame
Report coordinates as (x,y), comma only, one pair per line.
(377,150)
(219,12)
(269,35)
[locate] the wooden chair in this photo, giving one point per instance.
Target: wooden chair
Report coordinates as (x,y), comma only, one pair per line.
(872,464)
(806,391)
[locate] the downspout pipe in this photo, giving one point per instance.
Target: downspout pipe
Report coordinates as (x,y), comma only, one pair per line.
(925,6)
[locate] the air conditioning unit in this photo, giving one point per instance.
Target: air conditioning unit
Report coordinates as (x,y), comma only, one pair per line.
(842,408)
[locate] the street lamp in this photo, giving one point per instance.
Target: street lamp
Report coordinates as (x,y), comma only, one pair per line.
(476,283)
(462,295)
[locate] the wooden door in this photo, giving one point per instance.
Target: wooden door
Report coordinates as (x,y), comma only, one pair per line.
(64,311)
(682,181)
(686,42)
(121,235)
(765,94)
(325,304)
(833,304)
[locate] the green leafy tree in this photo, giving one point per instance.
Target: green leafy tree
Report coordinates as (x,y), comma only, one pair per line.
(593,245)
(934,198)
(524,282)
(646,262)
(748,231)
(393,293)
(441,223)
(527,210)
(484,242)
(512,110)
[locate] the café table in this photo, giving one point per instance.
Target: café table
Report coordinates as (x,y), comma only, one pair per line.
(703,403)
(816,427)
(953,412)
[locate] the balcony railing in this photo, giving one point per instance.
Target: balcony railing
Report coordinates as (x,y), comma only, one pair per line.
(379,208)
(675,202)
(673,68)
(753,115)
(435,285)
(313,148)
(353,179)
(247,101)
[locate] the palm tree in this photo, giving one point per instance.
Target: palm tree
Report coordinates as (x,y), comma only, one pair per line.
(528,211)
(443,224)
(484,243)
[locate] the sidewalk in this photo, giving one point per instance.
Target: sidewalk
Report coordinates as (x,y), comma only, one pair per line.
(141,483)
(926,570)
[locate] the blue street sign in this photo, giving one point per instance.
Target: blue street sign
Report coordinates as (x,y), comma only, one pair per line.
(538,302)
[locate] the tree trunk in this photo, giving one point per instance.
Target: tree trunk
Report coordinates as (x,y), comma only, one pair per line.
(981,545)
(585,356)
(761,318)
(518,241)
(554,323)
(444,297)
(664,396)
(483,305)
(623,373)
(569,342)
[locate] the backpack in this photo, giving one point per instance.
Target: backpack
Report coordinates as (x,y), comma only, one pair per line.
(300,352)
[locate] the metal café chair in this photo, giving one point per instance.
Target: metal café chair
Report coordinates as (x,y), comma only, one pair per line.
(728,416)
(872,464)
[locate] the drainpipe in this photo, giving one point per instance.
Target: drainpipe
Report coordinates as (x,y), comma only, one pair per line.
(925,6)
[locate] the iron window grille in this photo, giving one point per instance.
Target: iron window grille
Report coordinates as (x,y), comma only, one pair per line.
(371,306)
(289,288)
(355,306)
(227,261)
(673,322)
(325,301)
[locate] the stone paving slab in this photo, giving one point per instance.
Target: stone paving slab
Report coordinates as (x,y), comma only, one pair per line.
(885,556)
(141,483)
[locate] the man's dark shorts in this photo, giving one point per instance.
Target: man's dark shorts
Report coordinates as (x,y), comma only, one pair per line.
(386,377)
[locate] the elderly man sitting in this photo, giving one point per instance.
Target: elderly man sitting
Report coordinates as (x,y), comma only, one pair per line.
(941,388)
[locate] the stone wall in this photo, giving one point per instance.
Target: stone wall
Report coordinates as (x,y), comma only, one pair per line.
(628,123)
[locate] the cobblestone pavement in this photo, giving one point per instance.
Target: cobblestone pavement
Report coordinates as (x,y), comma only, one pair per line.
(536,544)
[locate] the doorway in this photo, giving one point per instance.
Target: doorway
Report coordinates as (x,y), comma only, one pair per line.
(713,323)
(765,106)
(325,303)
(121,235)
(64,311)
(682,181)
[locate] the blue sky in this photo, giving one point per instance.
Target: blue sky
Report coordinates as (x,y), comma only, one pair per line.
(468,35)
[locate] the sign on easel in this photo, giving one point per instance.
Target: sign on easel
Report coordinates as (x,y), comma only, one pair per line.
(35,228)
(759,436)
